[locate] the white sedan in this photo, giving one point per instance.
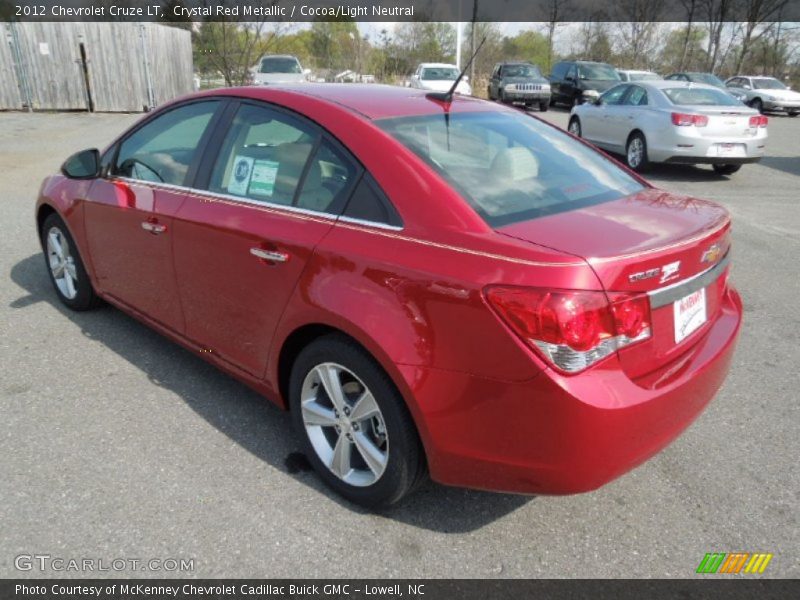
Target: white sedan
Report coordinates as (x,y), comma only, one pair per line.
(674,122)
(439,77)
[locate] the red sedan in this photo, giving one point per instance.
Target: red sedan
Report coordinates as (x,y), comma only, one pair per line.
(454,288)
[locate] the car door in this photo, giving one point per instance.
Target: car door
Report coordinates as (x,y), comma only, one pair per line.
(569,85)
(595,118)
(623,116)
(129,212)
(274,185)
(494,82)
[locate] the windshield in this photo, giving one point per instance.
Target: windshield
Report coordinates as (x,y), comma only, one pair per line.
(511,167)
(707,78)
(521,71)
(439,73)
(692,96)
(598,72)
(767,83)
(280,65)
(644,76)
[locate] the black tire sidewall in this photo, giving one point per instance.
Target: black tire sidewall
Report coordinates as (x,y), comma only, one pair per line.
(85,298)
(405,466)
(543,106)
(726,169)
(578,122)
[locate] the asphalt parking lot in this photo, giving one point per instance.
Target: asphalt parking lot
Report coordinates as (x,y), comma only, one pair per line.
(116,443)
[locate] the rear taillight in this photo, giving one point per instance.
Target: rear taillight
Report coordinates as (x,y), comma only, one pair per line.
(572,329)
(686,120)
(759,121)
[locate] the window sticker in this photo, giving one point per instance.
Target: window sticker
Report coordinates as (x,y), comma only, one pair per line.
(262,181)
(242,171)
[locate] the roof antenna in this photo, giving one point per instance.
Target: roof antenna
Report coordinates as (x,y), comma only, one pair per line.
(447,97)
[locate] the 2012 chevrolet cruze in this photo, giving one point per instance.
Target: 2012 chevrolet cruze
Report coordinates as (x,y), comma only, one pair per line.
(428,286)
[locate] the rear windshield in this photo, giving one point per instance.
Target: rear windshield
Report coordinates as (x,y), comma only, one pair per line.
(687,96)
(644,76)
(511,167)
(439,73)
(280,65)
(707,78)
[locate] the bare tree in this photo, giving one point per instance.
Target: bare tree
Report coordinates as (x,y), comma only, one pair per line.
(556,11)
(691,10)
(717,14)
(756,12)
(638,28)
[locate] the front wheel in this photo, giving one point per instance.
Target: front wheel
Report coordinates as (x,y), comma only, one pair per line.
(574,126)
(355,427)
(544,105)
(65,266)
(794,113)
(758,105)
(636,153)
(726,169)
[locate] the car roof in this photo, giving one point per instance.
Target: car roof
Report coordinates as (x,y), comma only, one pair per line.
(435,64)
(515,62)
(634,71)
(369,100)
(756,77)
(279,56)
(668,84)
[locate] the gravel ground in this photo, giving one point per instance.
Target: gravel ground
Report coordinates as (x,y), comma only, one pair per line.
(118,444)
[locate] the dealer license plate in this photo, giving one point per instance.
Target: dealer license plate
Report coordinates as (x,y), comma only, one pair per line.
(690,314)
(730,150)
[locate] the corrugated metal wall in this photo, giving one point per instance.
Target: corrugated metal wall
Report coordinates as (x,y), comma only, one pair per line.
(106,67)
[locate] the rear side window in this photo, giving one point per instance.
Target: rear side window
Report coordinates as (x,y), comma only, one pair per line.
(369,203)
(162,150)
(510,167)
(327,180)
(636,97)
(560,70)
(263,156)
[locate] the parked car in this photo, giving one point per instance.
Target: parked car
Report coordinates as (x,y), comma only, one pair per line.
(279,68)
(671,121)
(766,93)
(633,75)
(439,77)
(576,81)
(708,79)
(519,82)
(457,288)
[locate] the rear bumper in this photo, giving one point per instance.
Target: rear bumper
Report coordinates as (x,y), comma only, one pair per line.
(560,435)
(712,160)
(690,147)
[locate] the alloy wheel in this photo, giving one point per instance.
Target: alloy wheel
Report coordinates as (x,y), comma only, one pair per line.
(62,263)
(635,152)
(574,128)
(344,424)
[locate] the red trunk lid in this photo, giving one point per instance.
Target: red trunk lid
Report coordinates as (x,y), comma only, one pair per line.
(643,243)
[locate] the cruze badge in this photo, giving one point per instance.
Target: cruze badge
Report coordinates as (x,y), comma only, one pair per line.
(667,272)
(712,254)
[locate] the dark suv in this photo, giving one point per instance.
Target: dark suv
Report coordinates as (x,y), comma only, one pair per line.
(519,82)
(574,82)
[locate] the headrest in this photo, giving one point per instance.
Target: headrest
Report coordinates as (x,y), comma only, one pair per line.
(515,164)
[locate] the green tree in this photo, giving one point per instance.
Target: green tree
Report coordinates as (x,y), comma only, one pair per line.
(530,46)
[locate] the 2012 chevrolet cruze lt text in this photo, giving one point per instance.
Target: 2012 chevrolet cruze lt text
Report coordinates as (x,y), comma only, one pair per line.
(428,286)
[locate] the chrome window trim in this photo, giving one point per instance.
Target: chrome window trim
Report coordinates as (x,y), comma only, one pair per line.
(252,202)
(676,291)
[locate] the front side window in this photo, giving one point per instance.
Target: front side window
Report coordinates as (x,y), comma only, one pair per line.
(614,95)
(162,150)
(511,167)
(709,79)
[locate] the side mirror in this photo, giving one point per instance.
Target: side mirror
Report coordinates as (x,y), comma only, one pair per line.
(747,87)
(82,165)
(306,71)
(465,78)
(570,79)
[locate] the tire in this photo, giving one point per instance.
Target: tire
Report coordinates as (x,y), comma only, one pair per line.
(489,93)
(758,105)
(576,100)
(544,105)
(726,169)
(574,126)
(636,159)
(65,266)
(794,113)
(503,98)
(388,439)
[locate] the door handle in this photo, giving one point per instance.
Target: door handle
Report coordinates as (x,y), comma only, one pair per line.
(154,228)
(270,255)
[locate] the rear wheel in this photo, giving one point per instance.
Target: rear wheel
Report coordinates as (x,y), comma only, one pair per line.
(636,152)
(726,169)
(355,427)
(758,105)
(574,126)
(64,264)
(794,113)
